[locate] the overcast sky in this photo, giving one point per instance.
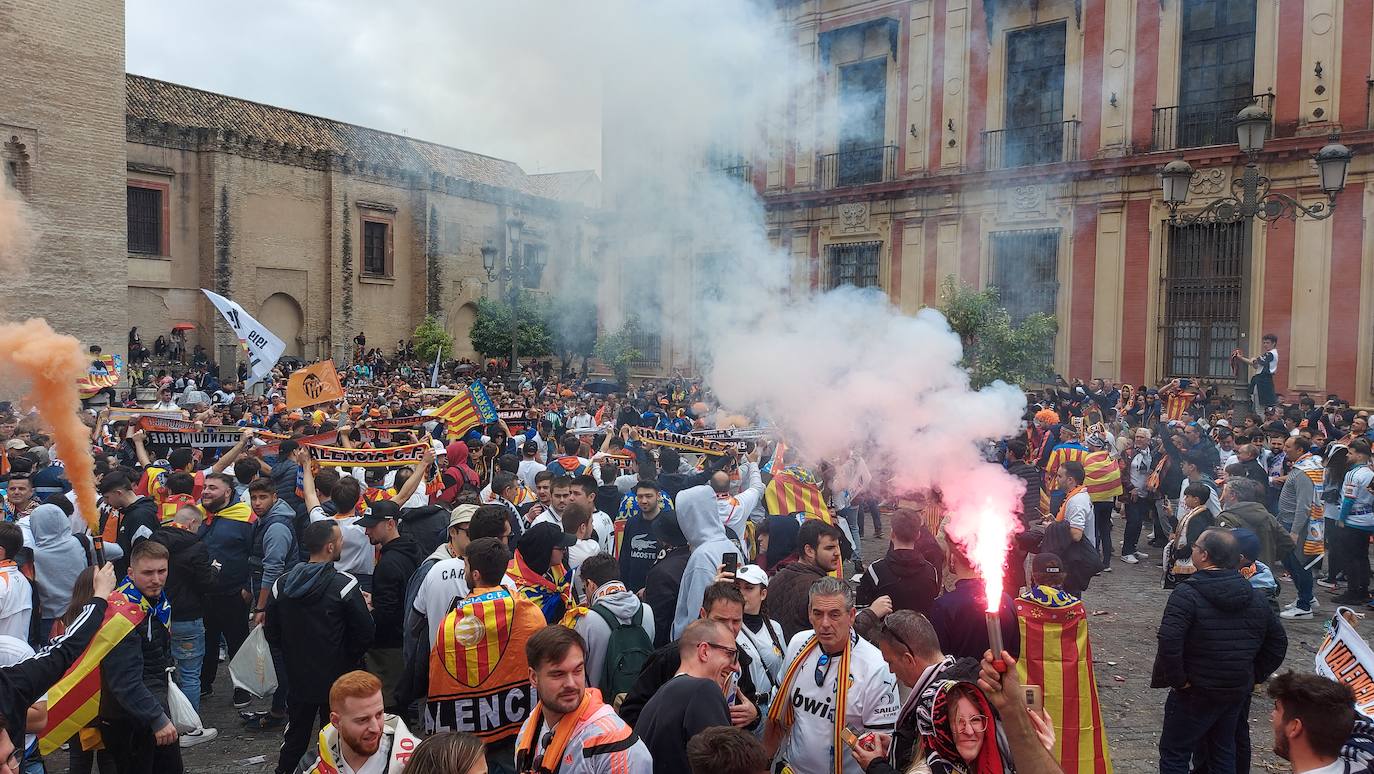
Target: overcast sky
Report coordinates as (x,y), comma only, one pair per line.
(508,78)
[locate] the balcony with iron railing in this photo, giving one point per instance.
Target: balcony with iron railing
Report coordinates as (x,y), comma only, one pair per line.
(1028,146)
(1196,126)
(741,171)
(862,166)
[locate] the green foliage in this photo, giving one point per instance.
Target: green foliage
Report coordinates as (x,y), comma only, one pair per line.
(994,348)
(616,349)
(429,337)
(491,332)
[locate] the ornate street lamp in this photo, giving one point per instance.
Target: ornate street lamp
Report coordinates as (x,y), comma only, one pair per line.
(1250,195)
(513,271)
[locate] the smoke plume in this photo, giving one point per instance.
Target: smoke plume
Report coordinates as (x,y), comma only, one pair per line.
(53,362)
(16,231)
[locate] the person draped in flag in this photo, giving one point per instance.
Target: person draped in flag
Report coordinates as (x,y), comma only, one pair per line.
(833,680)
(1066,448)
(361,736)
(479,656)
(538,571)
(134,716)
(1055,651)
(570,729)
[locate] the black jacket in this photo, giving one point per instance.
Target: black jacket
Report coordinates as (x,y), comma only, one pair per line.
(659,669)
(318,618)
(141,513)
(397,563)
(661,586)
(427,525)
(788,596)
(21,684)
(906,577)
(1219,636)
(190,577)
(133,676)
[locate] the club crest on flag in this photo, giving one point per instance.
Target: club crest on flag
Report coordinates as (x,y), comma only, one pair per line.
(477,633)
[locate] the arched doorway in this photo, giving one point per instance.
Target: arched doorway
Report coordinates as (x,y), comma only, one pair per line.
(460,327)
(282,315)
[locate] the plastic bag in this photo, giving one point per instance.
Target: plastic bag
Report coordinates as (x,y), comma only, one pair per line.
(183,715)
(251,668)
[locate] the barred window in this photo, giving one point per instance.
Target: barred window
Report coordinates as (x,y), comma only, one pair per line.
(374,247)
(1202,293)
(854,263)
(144,220)
(1025,269)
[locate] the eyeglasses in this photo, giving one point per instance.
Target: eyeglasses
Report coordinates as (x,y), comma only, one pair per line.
(822,668)
(733,653)
(896,637)
(976,724)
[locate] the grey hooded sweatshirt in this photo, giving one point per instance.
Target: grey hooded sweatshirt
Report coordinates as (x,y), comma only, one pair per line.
(700,519)
(623,605)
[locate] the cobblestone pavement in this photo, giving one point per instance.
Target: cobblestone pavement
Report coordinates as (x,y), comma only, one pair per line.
(1124,607)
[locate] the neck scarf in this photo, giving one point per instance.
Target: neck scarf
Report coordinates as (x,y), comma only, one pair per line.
(562,733)
(161,607)
(1063,507)
(781,711)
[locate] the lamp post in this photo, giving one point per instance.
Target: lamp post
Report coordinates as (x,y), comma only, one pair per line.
(1251,197)
(514,269)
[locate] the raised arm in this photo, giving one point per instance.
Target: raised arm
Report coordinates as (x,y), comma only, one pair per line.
(222,464)
(417,475)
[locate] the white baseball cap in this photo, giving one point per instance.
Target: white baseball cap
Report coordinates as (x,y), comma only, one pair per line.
(752,573)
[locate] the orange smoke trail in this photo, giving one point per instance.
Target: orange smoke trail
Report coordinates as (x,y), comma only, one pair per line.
(53,362)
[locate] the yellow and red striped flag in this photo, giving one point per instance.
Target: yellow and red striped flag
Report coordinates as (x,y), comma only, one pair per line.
(1055,655)
(795,491)
(74,701)
(1103,478)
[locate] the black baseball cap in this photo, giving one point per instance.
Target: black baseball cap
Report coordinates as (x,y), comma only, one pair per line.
(380,512)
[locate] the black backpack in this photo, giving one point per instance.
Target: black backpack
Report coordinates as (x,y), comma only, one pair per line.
(627,651)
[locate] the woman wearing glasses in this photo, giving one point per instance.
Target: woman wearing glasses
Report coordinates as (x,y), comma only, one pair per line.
(959,732)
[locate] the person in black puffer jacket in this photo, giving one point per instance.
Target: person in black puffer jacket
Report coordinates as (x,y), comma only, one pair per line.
(317,617)
(904,575)
(427,525)
(190,578)
(1217,640)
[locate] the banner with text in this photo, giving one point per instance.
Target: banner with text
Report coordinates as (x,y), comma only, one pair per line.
(1345,657)
(367,458)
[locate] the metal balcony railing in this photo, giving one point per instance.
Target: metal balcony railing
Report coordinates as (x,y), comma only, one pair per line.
(1195,126)
(1027,146)
(861,166)
(742,171)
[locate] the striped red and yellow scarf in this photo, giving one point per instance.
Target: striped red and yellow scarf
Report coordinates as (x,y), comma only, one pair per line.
(782,713)
(1063,506)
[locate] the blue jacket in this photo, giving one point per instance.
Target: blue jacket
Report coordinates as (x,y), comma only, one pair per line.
(229,536)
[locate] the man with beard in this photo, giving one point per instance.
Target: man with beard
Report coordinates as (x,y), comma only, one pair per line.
(818,553)
(571,730)
(317,617)
(638,550)
(227,533)
(1312,718)
(361,737)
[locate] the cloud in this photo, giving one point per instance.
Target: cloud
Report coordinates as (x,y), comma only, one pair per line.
(516,79)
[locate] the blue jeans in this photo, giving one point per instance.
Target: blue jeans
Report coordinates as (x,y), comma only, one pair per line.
(188,650)
(1302,577)
(1193,722)
(851,515)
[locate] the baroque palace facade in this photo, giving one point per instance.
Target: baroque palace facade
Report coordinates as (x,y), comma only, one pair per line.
(319,228)
(1018,144)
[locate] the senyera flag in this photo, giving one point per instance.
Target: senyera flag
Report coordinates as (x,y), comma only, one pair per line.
(262,345)
(1056,656)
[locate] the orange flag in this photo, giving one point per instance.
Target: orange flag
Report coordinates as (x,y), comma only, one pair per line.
(318,383)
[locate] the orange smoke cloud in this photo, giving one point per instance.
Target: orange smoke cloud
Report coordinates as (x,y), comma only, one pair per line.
(53,362)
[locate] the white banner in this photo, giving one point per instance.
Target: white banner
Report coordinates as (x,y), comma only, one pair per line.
(1345,657)
(263,346)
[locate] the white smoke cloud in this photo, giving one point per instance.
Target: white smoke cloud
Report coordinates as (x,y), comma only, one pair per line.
(665,85)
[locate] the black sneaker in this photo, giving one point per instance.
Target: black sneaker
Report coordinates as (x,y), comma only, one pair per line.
(242,698)
(206,690)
